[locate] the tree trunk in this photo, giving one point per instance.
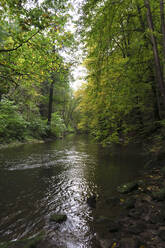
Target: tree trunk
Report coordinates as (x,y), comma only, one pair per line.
(162,25)
(50,103)
(158,70)
(163,33)
(140,17)
(156,103)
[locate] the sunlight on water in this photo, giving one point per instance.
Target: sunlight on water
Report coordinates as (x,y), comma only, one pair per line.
(58,177)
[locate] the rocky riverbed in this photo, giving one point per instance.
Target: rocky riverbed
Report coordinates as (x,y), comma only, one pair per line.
(141,223)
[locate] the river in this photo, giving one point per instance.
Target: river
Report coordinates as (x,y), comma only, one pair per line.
(37,180)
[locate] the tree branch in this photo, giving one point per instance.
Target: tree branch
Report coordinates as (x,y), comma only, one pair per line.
(13,49)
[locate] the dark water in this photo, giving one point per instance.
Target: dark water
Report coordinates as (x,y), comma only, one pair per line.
(39,180)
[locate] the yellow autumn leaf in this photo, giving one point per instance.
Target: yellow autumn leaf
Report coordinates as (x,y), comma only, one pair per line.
(114,245)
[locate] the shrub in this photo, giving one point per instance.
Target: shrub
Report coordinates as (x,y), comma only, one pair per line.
(12,124)
(57,126)
(38,127)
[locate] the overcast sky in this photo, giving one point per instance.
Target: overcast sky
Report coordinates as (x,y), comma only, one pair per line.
(78,71)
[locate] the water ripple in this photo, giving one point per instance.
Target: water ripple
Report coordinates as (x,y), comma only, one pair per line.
(57,177)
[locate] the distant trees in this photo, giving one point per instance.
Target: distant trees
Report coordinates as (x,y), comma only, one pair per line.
(158,68)
(32,34)
(124,97)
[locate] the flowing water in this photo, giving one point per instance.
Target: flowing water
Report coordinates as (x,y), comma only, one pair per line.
(38,180)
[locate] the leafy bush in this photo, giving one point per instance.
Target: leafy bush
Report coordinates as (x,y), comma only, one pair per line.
(37,127)
(57,127)
(12,124)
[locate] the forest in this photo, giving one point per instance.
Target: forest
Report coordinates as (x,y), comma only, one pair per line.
(122,98)
(35,97)
(82,165)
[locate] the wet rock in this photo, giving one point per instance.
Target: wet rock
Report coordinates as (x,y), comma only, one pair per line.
(105,243)
(137,228)
(162,234)
(58,217)
(146,198)
(159,195)
(102,220)
(162,213)
(113,201)
(129,243)
(156,218)
(113,226)
(136,213)
(129,203)
(161,228)
(163,170)
(91,201)
(128,187)
(140,182)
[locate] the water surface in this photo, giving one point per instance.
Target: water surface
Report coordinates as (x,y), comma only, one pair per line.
(57,177)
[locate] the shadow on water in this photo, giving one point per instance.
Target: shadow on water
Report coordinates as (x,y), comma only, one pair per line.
(41,179)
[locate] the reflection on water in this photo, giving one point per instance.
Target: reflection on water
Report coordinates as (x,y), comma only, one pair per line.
(39,180)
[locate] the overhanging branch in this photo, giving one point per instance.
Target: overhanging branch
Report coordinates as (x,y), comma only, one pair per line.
(13,49)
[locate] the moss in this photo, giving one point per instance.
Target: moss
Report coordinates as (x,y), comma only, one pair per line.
(128,187)
(159,195)
(58,218)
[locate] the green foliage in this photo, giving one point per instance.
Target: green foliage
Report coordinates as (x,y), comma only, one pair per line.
(37,128)
(58,127)
(120,100)
(32,34)
(12,124)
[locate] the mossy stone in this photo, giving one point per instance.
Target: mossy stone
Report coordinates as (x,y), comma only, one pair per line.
(113,226)
(163,170)
(129,203)
(128,187)
(159,195)
(58,218)
(162,234)
(129,243)
(102,220)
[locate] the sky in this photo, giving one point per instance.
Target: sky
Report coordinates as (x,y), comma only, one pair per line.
(78,71)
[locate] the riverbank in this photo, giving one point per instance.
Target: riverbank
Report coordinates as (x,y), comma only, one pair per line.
(19,143)
(141,223)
